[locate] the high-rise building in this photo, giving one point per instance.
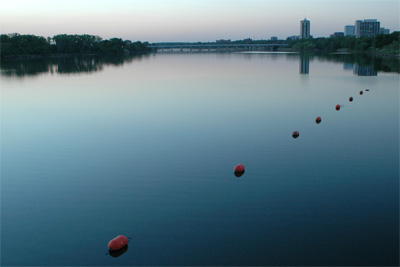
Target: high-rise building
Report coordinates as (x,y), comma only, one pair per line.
(337,34)
(304,29)
(384,31)
(357,27)
(349,30)
(294,37)
(367,28)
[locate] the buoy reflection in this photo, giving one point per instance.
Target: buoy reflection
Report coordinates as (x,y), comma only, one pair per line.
(238,174)
(119,252)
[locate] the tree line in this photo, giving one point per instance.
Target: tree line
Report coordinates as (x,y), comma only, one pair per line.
(382,43)
(14,45)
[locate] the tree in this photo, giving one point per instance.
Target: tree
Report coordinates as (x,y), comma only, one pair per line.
(363,43)
(113,46)
(16,44)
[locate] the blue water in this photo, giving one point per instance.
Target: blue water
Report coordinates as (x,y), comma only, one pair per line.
(146,148)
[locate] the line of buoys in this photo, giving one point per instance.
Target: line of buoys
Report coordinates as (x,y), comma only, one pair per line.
(239,168)
(119,245)
(318,120)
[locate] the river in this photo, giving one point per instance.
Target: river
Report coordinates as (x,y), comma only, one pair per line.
(93,148)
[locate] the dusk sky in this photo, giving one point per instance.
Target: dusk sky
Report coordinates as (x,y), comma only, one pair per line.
(190,20)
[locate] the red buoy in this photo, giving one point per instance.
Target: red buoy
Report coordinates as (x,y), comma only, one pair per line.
(295,134)
(337,107)
(117,243)
(361,92)
(318,120)
(351,99)
(239,168)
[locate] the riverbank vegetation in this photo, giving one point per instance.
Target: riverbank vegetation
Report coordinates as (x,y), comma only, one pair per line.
(30,46)
(382,43)
(16,45)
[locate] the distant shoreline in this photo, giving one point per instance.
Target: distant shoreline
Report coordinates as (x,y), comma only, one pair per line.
(16,46)
(292,51)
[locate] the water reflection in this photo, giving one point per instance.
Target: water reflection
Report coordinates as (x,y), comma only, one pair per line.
(238,174)
(364,70)
(348,66)
(366,65)
(61,65)
(119,252)
(360,70)
(360,64)
(304,64)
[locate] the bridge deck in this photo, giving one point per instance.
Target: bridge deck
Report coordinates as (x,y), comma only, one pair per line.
(211,46)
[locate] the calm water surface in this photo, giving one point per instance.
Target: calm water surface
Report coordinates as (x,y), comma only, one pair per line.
(93,149)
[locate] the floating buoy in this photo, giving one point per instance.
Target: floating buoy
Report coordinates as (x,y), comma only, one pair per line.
(367,90)
(239,168)
(361,92)
(117,243)
(337,107)
(351,99)
(318,120)
(295,134)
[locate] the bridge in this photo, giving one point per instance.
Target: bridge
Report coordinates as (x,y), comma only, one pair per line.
(192,47)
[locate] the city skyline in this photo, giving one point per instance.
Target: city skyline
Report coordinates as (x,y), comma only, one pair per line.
(178,20)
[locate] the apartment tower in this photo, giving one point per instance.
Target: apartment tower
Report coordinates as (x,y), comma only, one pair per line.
(304,29)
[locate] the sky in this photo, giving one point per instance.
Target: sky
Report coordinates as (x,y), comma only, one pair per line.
(191,20)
